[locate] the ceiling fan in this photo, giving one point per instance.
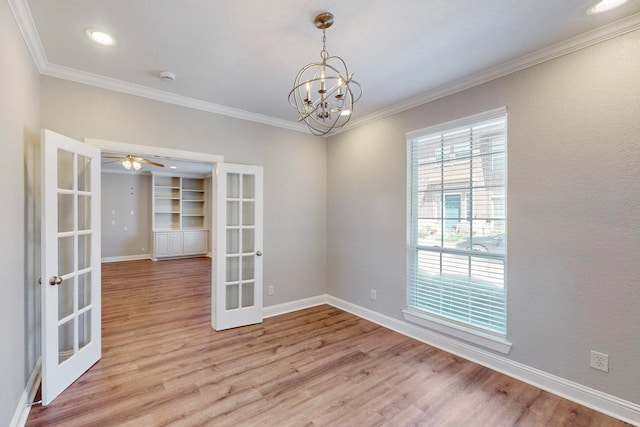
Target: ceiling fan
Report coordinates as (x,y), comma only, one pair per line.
(131,162)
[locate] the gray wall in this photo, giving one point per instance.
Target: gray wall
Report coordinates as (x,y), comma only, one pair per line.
(19,142)
(573,202)
(573,208)
(294,168)
(126,214)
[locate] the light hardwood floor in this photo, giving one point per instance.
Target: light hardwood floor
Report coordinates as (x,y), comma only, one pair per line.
(162,364)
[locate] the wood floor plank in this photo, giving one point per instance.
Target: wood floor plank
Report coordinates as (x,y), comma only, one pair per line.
(163,365)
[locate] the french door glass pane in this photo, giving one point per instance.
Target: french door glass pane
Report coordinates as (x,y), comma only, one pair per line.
(233,213)
(84,251)
(233,297)
(84,213)
(247,268)
(84,173)
(65,255)
(84,290)
(248,186)
(65,170)
(233,268)
(65,340)
(247,294)
(233,185)
(65,298)
(84,329)
(233,241)
(248,213)
(248,239)
(65,213)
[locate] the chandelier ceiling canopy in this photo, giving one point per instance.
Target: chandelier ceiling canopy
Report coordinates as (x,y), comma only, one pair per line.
(324,92)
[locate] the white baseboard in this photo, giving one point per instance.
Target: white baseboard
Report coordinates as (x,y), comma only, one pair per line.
(22,410)
(288,307)
(126,258)
(602,402)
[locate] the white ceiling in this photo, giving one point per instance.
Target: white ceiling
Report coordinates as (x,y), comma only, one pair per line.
(240,57)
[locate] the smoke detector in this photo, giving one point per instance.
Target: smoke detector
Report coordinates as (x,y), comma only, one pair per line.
(167,76)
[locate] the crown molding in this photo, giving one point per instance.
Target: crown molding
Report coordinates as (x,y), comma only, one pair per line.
(27,27)
(599,35)
(22,13)
(103,82)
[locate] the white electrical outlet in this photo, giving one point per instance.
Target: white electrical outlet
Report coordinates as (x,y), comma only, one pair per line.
(599,361)
(373,295)
(270,290)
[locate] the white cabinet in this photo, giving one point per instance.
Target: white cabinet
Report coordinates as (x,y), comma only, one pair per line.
(169,244)
(179,216)
(195,242)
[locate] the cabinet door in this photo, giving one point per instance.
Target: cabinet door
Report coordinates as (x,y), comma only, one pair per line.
(175,244)
(162,245)
(195,242)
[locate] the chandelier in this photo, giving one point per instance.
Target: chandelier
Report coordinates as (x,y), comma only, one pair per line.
(324,92)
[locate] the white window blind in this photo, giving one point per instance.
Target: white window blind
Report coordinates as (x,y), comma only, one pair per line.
(456,184)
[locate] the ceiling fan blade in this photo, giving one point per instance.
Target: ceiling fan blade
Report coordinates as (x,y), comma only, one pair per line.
(149,162)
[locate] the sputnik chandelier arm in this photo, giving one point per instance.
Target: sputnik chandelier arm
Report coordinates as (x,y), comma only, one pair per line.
(324,92)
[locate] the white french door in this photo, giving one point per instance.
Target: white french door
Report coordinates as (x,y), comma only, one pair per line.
(237,273)
(70,277)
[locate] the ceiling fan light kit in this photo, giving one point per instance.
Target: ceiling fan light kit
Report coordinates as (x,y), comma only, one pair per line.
(324,92)
(131,162)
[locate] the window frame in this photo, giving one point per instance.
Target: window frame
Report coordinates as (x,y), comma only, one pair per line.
(466,331)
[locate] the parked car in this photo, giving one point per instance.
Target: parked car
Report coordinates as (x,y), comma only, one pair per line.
(483,243)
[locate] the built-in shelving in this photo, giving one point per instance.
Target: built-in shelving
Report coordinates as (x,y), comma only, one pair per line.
(179,206)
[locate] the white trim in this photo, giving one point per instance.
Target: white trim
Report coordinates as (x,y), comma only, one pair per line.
(452,125)
(602,402)
(107,146)
(108,83)
(288,307)
(25,22)
(126,258)
(582,41)
(591,398)
(125,172)
(24,19)
(474,336)
(21,413)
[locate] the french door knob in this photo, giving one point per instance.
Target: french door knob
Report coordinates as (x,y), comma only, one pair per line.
(259,253)
(55,280)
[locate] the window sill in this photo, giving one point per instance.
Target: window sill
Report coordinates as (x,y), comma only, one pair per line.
(483,339)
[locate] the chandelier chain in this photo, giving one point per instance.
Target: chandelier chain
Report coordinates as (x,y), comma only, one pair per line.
(324,54)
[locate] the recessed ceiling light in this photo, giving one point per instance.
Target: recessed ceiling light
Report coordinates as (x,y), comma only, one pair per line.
(605,5)
(100,37)
(173,167)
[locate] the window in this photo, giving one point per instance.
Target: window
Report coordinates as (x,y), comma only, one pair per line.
(456,231)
